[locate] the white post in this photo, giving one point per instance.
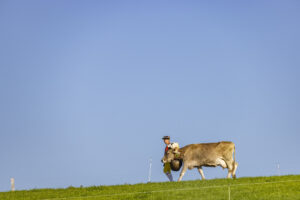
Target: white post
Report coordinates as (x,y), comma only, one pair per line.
(278,169)
(12,183)
(229,192)
(149,175)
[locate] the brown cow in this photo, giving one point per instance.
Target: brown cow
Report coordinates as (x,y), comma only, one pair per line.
(205,154)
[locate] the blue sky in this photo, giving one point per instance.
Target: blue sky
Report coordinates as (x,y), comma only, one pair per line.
(88,88)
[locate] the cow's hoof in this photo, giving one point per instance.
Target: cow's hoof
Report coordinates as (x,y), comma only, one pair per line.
(234,176)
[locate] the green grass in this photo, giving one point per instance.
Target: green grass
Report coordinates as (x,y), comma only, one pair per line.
(271,188)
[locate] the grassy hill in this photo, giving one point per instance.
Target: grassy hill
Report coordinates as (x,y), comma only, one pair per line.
(271,188)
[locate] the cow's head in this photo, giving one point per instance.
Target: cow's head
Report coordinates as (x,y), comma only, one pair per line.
(170,155)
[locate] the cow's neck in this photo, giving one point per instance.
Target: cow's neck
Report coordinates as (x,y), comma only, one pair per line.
(181,151)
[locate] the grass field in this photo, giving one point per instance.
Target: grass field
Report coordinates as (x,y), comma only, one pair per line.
(271,188)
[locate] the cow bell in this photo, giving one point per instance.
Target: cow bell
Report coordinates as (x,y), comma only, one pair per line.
(176,165)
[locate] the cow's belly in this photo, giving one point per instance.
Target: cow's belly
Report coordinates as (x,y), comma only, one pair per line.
(211,163)
(207,161)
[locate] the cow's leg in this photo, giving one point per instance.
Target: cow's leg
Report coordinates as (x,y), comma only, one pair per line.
(234,169)
(230,167)
(201,173)
(229,173)
(184,168)
(230,164)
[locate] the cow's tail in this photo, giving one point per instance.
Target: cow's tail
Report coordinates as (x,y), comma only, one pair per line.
(234,163)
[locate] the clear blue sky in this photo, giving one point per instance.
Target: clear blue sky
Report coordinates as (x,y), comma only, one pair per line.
(88,88)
